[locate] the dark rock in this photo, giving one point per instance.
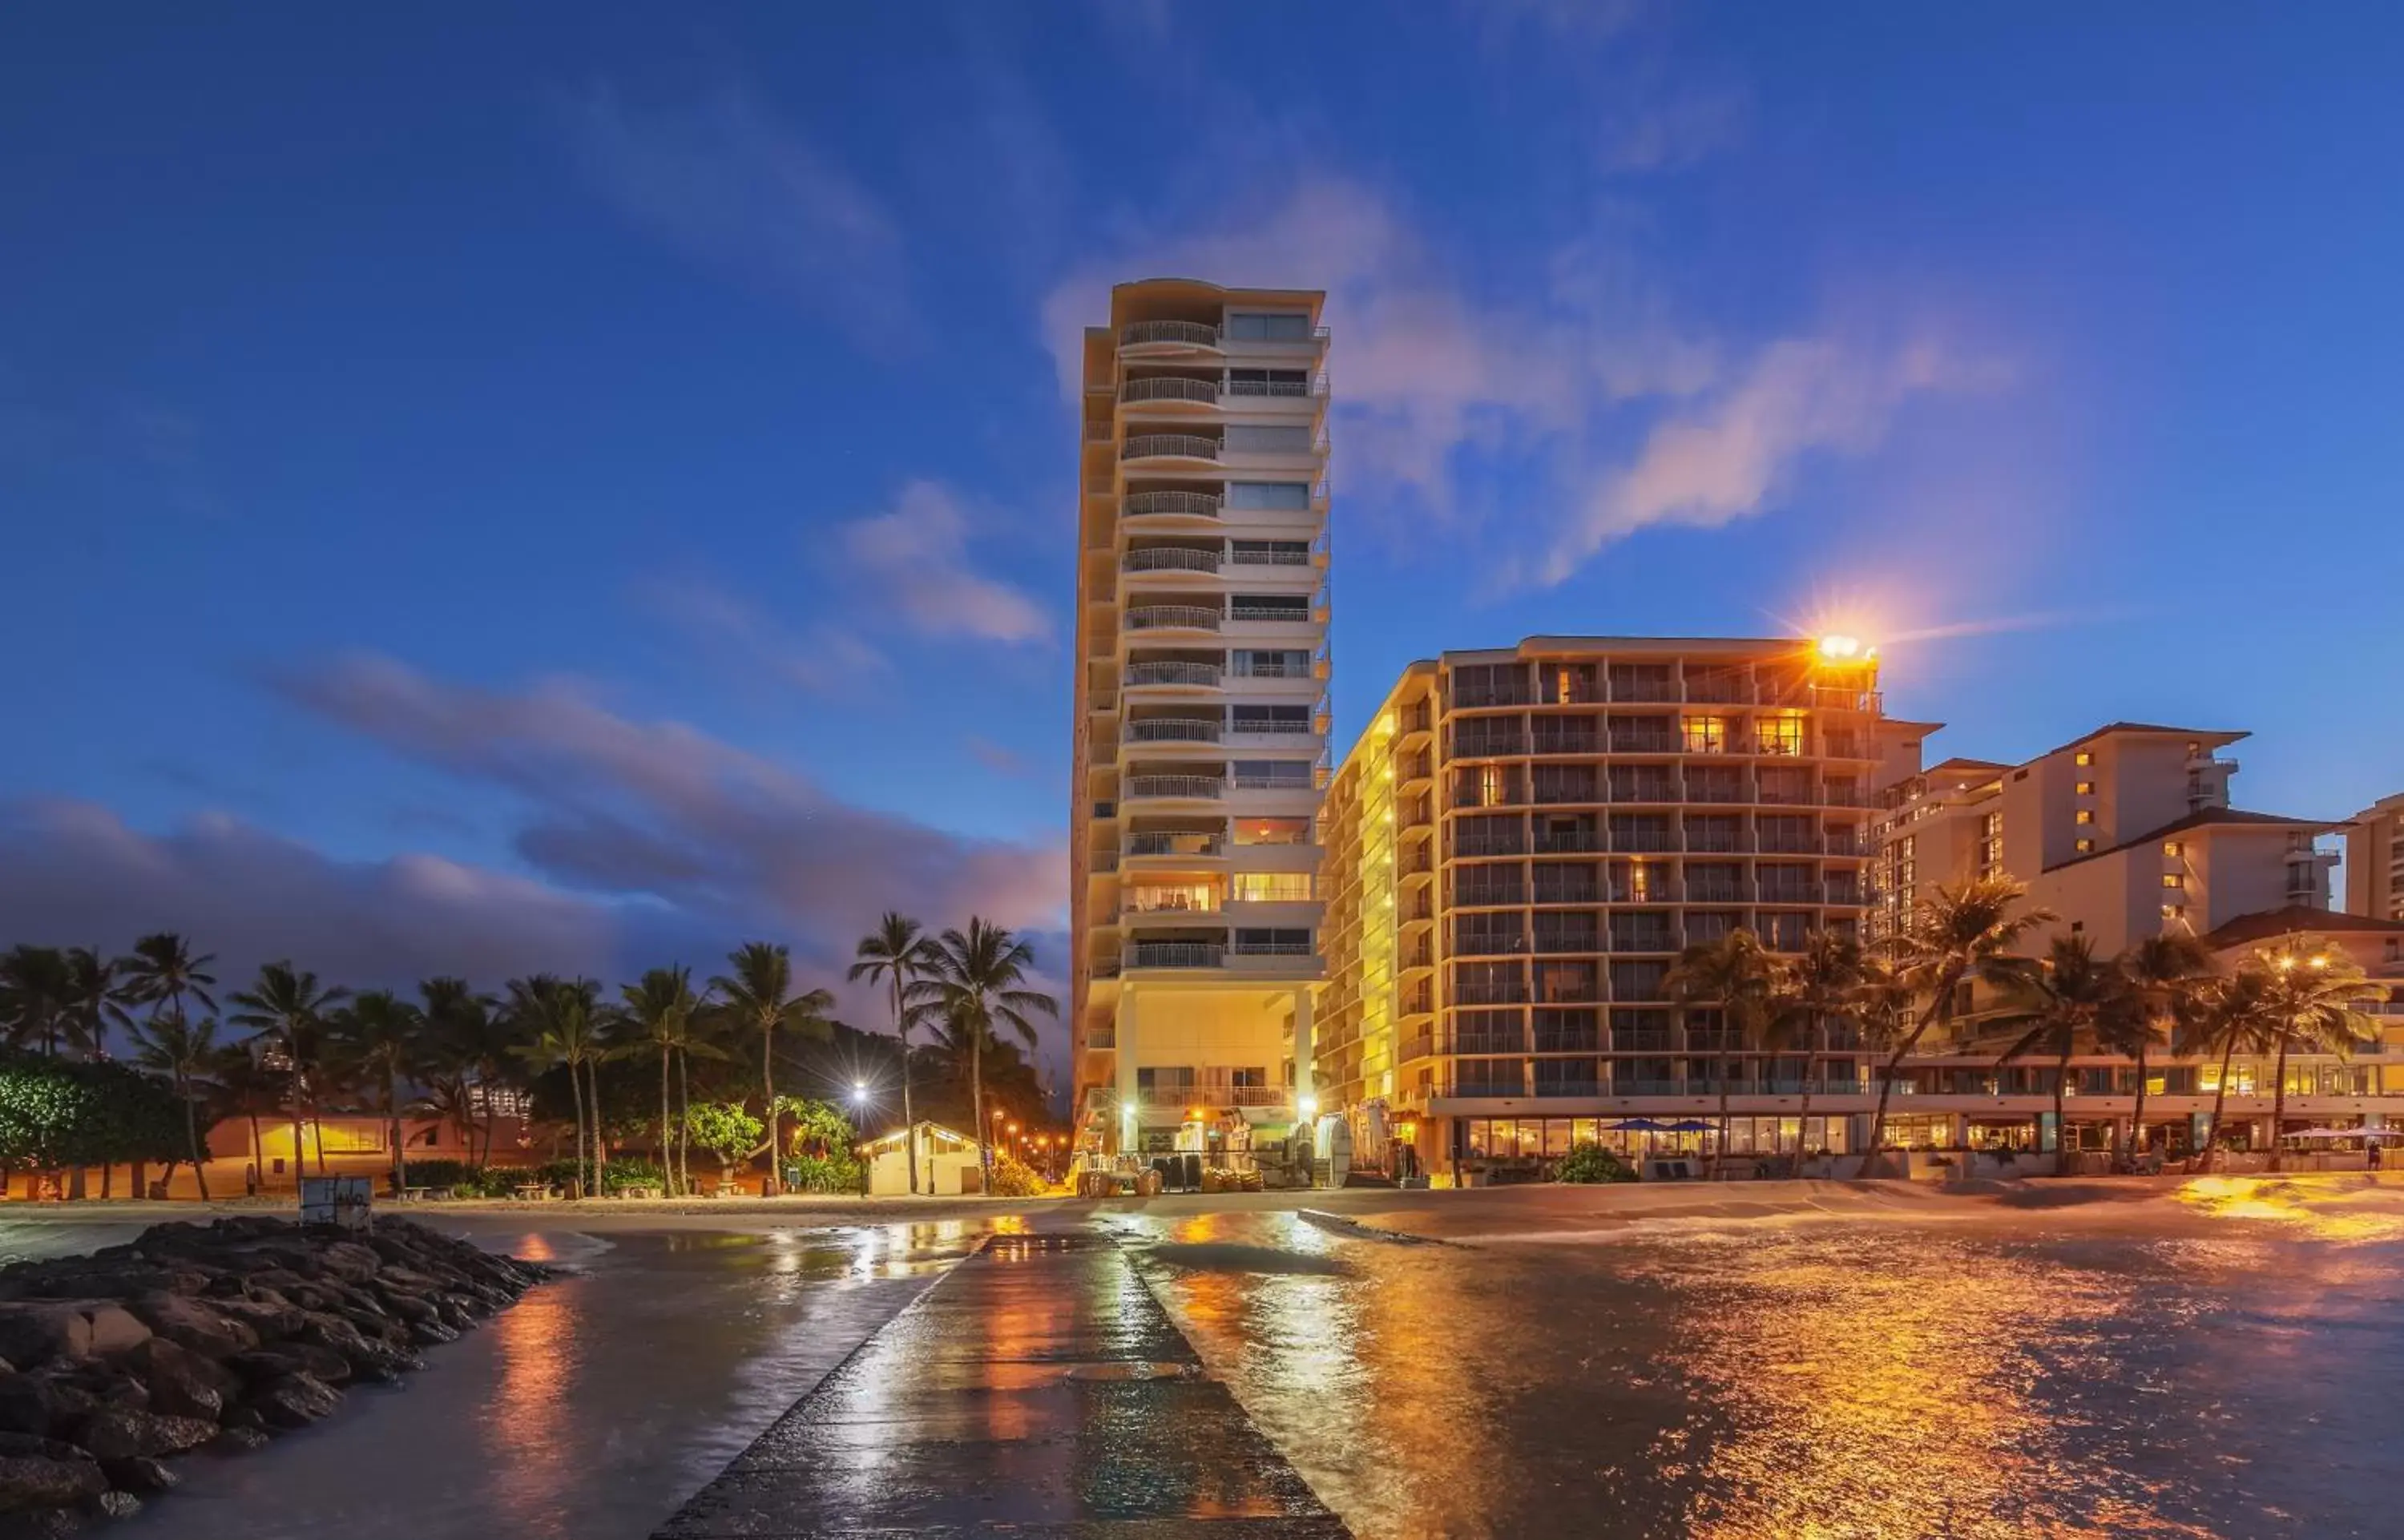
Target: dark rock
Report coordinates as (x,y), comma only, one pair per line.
(431,1334)
(40,1524)
(270,1318)
(139,1473)
(40,1447)
(191,1323)
(115,1504)
(181,1381)
(30,1481)
(295,1400)
(241,1416)
(70,1403)
(24,1403)
(459,1310)
(409,1307)
(34,1332)
(234,1440)
(114,1435)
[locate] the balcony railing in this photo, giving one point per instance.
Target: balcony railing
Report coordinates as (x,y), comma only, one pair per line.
(1644,841)
(1292,614)
(1172,617)
(1171,842)
(1185,446)
(1269,558)
(1644,743)
(1173,558)
(1173,730)
(1254,780)
(1176,954)
(1566,841)
(1174,673)
(1200,505)
(1315,385)
(1205,392)
(1204,787)
(1172,902)
(1269,668)
(1189,333)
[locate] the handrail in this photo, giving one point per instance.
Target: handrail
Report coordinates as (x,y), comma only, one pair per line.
(1315,385)
(1144,446)
(1170,558)
(1176,786)
(1197,504)
(1174,953)
(1171,842)
(1188,617)
(1241,611)
(1169,389)
(1173,730)
(1270,558)
(1192,334)
(1174,673)
(1254,780)
(1272,948)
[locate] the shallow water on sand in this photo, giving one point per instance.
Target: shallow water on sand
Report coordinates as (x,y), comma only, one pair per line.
(2223,1363)
(590,1409)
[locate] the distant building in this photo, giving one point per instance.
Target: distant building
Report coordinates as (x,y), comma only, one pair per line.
(2374,859)
(1201,715)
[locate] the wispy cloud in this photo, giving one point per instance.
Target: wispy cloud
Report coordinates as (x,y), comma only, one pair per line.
(994,757)
(914,557)
(735,187)
(826,658)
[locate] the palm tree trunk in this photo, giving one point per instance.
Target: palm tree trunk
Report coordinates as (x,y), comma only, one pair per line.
(684,1120)
(909,1127)
(1719,1152)
(257,1150)
(317,1133)
(600,1142)
(667,1161)
(2062,1113)
(2279,1107)
(576,1089)
(2137,1115)
(1886,1075)
(977,1103)
(768,1088)
(192,1137)
(392,1113)
(2219,1100)
(1810,1068)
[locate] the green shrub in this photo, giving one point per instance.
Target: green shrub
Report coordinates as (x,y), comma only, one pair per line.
(56,1113)
(822,1174)
(1591,1163)
(624,1171)
(442,1175)
(1015,1178)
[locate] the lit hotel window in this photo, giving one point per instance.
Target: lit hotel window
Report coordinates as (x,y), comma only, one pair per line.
(2087,848)
(2087,815)
(2084,760)
(2174,911)
(2172,849)
(2087,788)
(2172,879)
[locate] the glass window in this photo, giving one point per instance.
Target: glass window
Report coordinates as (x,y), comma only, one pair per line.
(1266,439)
(1706,734)
(2087,815)
(1250,325)
(1272,831)
(1270,888)
(2084,759)
(1290,497)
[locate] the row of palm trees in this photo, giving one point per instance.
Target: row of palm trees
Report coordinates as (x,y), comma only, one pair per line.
(2300,995)
(303,1041)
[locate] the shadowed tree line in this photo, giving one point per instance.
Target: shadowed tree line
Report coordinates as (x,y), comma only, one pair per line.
(2162,993)
(662,1062)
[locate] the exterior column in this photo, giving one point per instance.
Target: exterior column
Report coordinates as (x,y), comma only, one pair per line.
(1305,1098)
(1121,1136)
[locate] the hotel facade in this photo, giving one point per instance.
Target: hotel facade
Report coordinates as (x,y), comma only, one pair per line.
(1201,717)
(1522,842)
(2374,859)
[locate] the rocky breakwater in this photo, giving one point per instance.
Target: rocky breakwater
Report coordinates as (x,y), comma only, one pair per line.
(213,1338)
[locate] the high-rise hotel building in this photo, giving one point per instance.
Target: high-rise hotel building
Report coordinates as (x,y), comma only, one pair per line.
(1201,712)
(1522,841)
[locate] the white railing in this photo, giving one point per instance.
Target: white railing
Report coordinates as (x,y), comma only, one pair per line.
(1258,668)
(1254,780)
(1176,786)
(1205,392)
(1174,953)
(1173,730)
(1172,843)
(1171,559)
(1188,446)
(1175,901)
(1241,557)
(1272,949)
(1178,617)
(1195,504)
(1190,333)
(1296,614)
(1174,673)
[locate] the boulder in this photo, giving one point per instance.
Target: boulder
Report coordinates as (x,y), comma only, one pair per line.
(295,1400)
(40,1524)
(270,1318)
(34,1332)
(115,1504)
(32,1482)
(138,1473)
(181,1382)
(24,1403)
(188,1323)
(40,1447)
(232,1440)
(117,1434)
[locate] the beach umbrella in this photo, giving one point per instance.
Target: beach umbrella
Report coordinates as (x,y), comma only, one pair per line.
(1637,1126)
(1690,1125)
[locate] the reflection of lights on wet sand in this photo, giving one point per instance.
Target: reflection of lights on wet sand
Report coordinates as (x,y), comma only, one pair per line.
(534,1247)
(2342,1209)
(527,1421)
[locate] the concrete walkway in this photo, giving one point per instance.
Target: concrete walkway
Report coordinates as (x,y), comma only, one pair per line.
(1037,1389)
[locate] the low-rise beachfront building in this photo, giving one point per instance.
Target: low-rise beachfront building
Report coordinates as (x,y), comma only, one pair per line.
(1521,841)
(2374,859)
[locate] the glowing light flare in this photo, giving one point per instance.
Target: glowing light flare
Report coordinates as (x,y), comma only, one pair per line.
(1836,646)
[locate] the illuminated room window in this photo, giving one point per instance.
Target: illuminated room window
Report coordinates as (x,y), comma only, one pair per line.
(1270,888)
(2172,849)
(1706,734)
(2087,788)
(2172,879)
(2087,815)
(2084,759)
(2087,848)
(1780,734)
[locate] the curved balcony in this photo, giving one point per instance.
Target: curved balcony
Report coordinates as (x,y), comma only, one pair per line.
(1169,446)
(1170,559)
(1207,676)
(1168,334)
(1175,391)
(1193,505)
(1175,788)
(1173,617)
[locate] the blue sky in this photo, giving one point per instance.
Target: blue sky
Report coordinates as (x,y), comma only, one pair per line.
(583,485)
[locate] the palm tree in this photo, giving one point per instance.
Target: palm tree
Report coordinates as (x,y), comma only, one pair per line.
(471,1043)
(977,978)
(1824,983)
(96,996)
(379,1036)
(2226,1014)
(184,1052)
(1737,977)
(657,1016)
(1960,934)
(163,970)
(2161,971)
(896,952)
(564,1017)
(2308,1004)
(2074,997)
(35,986)
(758,995)
(286,1011)
(250,1088)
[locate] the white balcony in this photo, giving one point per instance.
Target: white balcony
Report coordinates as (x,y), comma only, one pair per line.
(1175,788)
(1170,559)
(1170,391)
(1169,446)
(1174,676)
(1190,504)
(1168,335)
(1172,617)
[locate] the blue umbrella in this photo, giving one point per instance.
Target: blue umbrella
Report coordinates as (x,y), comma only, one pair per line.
(1637,1126)
(1690,1126)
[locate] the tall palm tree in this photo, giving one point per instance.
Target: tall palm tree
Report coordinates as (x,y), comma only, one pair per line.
(250,1088)
(471,1042)
(758,995)
(1821,986)
(897,953)
(2161,970)
(1737,977)
(163,970)
(35,987)
(2308,1004)
(97,997)
(978,979)
(184,1052)
(1960,934)
(658,1016)
(2073,996)
(2223,1013)
(285,1010)
(379,1036)
(565,1019)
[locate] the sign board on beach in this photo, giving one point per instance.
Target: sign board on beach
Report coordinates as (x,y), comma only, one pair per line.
(342,1201)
